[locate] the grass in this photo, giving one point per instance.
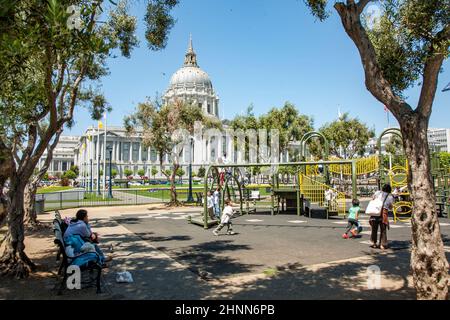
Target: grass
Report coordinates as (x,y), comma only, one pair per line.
(160,186)
(270,272)
(53,189)
(162,194)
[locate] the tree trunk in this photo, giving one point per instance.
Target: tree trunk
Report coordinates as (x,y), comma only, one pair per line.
(29,204)
(173,191)
(428,262)
(14,261)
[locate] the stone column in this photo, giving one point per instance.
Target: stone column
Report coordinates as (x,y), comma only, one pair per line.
(140,153)
(130,158)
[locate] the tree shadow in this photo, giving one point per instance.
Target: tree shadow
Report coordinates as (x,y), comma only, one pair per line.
(343,281)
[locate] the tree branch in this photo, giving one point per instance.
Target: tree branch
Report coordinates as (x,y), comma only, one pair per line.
(374,79)
(431,72)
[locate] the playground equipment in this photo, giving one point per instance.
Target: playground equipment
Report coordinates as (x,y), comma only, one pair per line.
(322,185)
(303,194)
(441,182)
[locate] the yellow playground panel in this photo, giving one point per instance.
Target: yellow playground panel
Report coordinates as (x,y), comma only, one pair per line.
(363,166)
(322,195)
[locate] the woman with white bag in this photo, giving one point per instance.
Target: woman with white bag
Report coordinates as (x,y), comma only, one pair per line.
(378,209)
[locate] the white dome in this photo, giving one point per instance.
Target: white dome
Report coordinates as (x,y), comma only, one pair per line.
(189,76)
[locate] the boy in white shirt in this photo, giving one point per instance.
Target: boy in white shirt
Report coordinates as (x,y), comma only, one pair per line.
(210,205)
(226,219)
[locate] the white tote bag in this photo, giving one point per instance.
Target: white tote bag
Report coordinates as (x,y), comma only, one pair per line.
(375,206)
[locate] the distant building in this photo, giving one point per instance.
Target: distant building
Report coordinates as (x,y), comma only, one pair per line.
(439,139)
(63,155)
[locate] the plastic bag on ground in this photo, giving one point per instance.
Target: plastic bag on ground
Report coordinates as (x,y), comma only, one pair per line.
(124,277)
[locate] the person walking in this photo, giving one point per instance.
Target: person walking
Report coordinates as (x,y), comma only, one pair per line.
(381,221)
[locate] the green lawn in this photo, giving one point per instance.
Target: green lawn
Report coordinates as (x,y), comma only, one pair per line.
(158,186)
(162,194)
(53,189)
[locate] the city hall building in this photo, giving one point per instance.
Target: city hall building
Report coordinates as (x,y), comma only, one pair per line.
(188,84)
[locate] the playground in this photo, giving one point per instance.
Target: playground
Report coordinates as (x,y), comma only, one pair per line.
(323,188)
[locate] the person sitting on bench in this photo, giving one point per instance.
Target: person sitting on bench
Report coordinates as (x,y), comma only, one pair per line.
(80,227)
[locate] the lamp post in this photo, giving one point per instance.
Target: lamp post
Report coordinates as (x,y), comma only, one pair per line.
(110,149)
(190,198)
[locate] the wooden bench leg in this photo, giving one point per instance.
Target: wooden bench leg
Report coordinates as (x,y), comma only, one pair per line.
(63,282)
(99,275)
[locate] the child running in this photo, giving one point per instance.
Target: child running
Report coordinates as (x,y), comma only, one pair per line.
(353,225)
(226,219)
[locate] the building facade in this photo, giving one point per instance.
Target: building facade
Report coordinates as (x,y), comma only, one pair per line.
(63,155)
(439,139)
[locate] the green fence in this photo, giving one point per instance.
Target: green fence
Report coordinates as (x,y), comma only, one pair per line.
(120,197)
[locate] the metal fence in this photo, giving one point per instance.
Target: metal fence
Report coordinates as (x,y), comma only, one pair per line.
(120,197)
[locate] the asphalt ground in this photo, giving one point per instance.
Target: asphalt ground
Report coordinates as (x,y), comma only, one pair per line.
(262,242)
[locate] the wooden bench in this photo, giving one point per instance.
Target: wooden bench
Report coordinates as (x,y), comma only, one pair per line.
(67,261)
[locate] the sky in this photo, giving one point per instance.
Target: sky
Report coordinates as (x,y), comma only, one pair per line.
(259,52)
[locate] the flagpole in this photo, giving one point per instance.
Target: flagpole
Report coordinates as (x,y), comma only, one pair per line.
(104,160)
(97,153)
(91,165)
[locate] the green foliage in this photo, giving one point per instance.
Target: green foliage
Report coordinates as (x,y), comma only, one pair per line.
(45,177)
(287,120)
(348,135)
(159,123)
(318,8)
(69,174)
(180,172)
(141,172)
(154,171)
(395,145)
(444,159)
(407,34)
(75,169)
(159,22)
(201,172)
(114,173)
(128,172)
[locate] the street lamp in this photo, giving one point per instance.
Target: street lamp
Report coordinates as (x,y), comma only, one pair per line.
(110,149)
(190,198)
(98,176)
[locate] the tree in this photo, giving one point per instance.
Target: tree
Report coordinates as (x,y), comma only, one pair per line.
(201,172)
(75,169)
(51,60)
(114,173)
(394,145)
(347,137)
(127,172)
(405,47)
(444,160)
(289,122)
(154,172)
(69,174)
(141,173)
(159,123)
(180,173)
